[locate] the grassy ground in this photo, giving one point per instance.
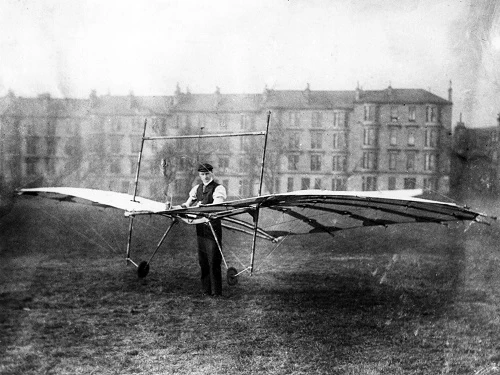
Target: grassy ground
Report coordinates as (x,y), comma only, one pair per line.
(420,299)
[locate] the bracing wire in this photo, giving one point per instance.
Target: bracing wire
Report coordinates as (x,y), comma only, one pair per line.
(63,225)
(99,235)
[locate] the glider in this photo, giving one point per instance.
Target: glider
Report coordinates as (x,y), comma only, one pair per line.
(270,216)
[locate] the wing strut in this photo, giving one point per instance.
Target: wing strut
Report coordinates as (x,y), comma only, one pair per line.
(131,219)
(257,208)
(129,240)
(139,160)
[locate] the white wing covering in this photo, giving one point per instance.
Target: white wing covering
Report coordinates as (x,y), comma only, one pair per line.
(102,198)
(299,212)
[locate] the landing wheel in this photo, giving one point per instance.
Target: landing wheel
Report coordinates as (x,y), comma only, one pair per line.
(143,269)
(232,279)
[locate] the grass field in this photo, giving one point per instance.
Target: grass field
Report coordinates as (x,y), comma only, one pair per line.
(421,299)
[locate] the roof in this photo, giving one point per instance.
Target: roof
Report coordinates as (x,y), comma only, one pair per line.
(401,96)
(308,99)
(216,102)
(130,105)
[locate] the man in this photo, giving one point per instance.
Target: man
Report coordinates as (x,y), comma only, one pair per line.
(209,255)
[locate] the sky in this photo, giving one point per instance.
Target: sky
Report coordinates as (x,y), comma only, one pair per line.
(70,47)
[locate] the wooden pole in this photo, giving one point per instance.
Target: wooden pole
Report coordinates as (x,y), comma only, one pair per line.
(257,208)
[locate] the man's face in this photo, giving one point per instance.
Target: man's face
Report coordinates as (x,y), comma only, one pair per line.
(206,177)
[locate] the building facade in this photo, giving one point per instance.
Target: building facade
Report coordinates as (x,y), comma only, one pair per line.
(475,164)
(336,140)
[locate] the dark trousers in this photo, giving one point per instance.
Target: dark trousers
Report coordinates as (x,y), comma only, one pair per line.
(210,258)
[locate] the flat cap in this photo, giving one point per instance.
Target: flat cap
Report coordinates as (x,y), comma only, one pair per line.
(205,167)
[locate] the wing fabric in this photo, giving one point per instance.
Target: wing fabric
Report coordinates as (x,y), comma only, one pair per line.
(315,211)
(308,211)
(98,197)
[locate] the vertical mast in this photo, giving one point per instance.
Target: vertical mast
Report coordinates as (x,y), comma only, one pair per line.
(257,208)
(131,219)
(139,160)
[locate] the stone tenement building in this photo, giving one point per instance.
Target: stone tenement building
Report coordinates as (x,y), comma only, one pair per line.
(475,163)
(338,140)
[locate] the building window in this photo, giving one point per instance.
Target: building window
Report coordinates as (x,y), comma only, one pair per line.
(96,145)
(244,188)
(242,164)
(430,162)
(431,137)
(369,183)
(369,112)
(181,121)
(339,163)
(411,137)
(430,184)
(339,119)
(159,126)
(315,162)
(31,167)
(293,162)
(51,128)
(32,145)
(277,185)
(289,184)
(294,119)
(393,137)
(317,183)
(412,113)
(135,144)
(410,161)
(223,163)
(339,184)
(317,119)
(369,160)
(72,128)
(116,124)
(245,122)
(369,137)
(394,114)
(125,186)
(306,183)
(115,167)
(393,161)
(316,140)
(51,146)
(98,124)
(294,141)
(336,141)
(183,163)
(133,166)
(115,144)
(431,113)
(410,183)
(50,166)
(392,183)
(223,122)
(138,125)
(494,137)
